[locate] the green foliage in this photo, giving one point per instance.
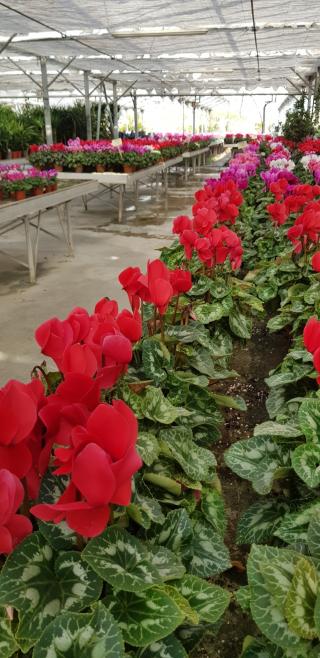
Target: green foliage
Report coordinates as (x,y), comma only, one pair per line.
(298,123)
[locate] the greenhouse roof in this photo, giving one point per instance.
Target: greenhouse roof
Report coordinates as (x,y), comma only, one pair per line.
(187,47)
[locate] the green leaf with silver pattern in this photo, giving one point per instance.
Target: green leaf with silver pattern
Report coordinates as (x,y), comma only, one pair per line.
(197,463)
(155,360)
(176,532)
(59,536)
(8,645)
(157,408)
(240,324)
(309,419)
(213,508)
(210,556)
(168,647)
(144,617)
(40,584)
(259,459)
(148,447)
(270,573)
(259,522)
(208,600)
(122,560)
(306,463)
(301,600)
(90,635)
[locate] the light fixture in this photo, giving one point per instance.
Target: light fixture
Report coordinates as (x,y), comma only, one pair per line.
(158,32)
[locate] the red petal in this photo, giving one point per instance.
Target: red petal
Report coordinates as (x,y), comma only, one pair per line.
(6,544)
(89,523)
(79,359)
(18,412)
(111,430)
(311,335)
(19,527)
(118,348)
(17,459)
(93,476)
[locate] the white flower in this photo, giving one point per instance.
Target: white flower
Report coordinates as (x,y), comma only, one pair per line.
(310,157)
(282,163)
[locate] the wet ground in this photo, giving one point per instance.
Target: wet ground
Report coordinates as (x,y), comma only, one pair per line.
(252,361)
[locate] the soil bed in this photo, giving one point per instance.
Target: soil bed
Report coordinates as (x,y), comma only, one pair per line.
(252,361)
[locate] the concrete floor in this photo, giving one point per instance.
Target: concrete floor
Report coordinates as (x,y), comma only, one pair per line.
(102,250)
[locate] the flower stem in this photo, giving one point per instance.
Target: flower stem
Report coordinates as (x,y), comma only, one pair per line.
(175,309)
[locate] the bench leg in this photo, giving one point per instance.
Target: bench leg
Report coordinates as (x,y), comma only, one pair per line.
(120,207)
(30,252)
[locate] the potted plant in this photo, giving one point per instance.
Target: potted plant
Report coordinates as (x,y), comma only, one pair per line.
(74,160)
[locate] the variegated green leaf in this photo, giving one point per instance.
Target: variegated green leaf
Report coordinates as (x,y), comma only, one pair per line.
(309,419)
(40,585)
(289,377)
(260,520)
(301,600)
(145,511)
(94,635)
(306,463)
(270,428)
(230,402)
(212,506)
(208,600)
(313,536)
(194,332)
(134,400)
(156,407)
(243,597)
(259,459)
(270,573)
(188,377)
(189,614)
(168,647)
(155,360)
(166,562)
(197,462)
(210,556)
(176,532)
(294,525)
(148,447)
(8,645)
(219,288)
(275,401)
(207,313)
(59,536)
(202,360)
(122,560)
(145,617)
(240,324)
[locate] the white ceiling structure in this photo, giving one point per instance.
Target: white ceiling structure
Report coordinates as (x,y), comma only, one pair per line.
(181,47)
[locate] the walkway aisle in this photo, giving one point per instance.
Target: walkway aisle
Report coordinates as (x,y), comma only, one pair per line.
(102,250)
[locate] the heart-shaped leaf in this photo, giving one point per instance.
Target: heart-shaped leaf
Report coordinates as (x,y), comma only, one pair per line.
(144,617)
(94,634)
(40,585)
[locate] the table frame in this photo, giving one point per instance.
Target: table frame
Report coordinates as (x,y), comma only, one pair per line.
(29,214)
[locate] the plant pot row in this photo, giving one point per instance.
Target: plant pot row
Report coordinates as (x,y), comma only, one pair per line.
(20,195)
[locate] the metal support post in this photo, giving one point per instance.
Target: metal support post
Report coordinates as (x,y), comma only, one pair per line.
(135,113)
(194,117)
(46,102)
(99,116)
(115,111)
(310,78)
(87,104)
